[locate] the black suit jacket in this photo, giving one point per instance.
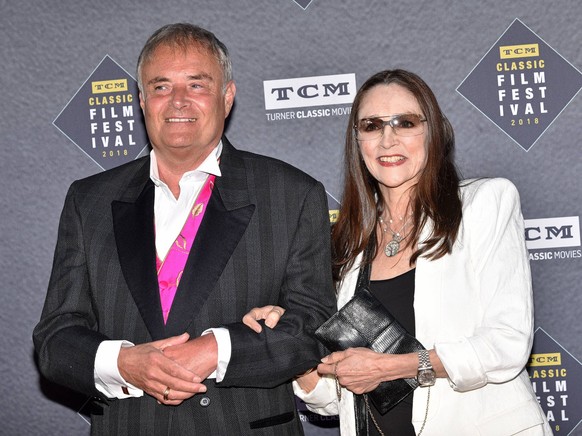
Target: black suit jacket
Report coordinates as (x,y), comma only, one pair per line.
(264,239)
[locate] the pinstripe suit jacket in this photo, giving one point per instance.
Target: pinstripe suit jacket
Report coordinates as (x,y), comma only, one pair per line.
(264,240)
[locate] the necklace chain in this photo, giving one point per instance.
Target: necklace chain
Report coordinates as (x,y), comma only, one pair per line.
(393,246)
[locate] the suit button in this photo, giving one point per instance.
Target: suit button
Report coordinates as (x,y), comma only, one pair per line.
(204,401)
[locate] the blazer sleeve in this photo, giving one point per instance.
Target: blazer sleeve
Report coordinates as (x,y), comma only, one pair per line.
(497,256)
(65,338)
(276,355)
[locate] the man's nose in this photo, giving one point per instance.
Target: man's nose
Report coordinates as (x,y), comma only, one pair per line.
(179,97)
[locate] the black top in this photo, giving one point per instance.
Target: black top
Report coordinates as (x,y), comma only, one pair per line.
(397,295)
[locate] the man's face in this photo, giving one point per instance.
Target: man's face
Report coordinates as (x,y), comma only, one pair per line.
(184,100)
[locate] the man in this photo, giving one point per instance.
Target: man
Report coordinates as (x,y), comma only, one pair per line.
(158,260)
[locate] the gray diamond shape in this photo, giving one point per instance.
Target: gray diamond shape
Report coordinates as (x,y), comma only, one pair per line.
(103,119)
(303,3)
(557,379)
(523,99)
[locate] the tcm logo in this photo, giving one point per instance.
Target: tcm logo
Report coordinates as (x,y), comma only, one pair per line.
(309,91)
(333,215)
(552,232)
(334,207)
(119,85)
(519,51)
(545,359)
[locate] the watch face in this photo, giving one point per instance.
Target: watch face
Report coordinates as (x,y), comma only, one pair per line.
(426,377)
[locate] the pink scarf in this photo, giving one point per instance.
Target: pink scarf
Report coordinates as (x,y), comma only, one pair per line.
(171,268)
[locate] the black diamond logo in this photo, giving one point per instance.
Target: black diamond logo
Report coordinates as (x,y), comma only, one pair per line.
(333,206)
(556,376)
(521,84)
(303,3)
(104,119)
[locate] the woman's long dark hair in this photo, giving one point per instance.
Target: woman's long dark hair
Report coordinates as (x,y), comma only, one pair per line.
(435,196)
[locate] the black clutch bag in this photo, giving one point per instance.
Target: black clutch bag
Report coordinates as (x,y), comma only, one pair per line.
(365,322)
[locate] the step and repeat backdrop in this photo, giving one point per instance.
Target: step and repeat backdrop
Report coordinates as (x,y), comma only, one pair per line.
(507,75)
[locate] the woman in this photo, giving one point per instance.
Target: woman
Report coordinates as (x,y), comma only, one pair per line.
(447,258)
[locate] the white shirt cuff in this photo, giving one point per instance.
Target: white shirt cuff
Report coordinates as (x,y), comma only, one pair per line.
(322,399)
(222,336)
(108,380)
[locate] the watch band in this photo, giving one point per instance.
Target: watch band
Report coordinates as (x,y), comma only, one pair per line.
(424,360)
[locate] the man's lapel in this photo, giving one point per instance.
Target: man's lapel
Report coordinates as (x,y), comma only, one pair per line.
(133,223)
(227,216)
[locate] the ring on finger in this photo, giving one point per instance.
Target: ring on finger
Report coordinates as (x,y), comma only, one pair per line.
(166,393)
(274,309)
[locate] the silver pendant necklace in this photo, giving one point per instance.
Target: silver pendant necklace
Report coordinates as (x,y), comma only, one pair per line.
(392,247)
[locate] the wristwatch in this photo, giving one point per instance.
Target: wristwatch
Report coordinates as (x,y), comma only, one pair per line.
(426,375)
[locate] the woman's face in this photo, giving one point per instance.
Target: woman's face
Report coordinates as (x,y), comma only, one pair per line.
(395,161)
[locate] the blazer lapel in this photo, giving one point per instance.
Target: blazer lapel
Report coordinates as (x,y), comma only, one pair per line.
(227,216)
(428,289)
(133,223)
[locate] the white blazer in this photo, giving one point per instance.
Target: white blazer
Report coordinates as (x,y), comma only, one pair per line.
(475,308)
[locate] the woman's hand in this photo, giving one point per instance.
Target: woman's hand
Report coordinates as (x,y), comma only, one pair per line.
(308,380)
(361,370)
(271,315)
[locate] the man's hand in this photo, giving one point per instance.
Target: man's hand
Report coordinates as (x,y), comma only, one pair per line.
(199,355)
(147,367)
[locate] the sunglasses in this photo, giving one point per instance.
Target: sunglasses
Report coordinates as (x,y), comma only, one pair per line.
(401,124)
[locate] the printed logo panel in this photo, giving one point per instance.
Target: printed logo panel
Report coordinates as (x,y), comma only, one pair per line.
(521,84)
(552,232)
(104,119)
(309,91)
(556,378)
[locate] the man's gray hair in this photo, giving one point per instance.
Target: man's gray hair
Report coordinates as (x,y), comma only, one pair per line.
(184,35)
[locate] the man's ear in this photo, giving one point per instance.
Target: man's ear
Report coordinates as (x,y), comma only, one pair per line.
(229,93)
(141,101)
